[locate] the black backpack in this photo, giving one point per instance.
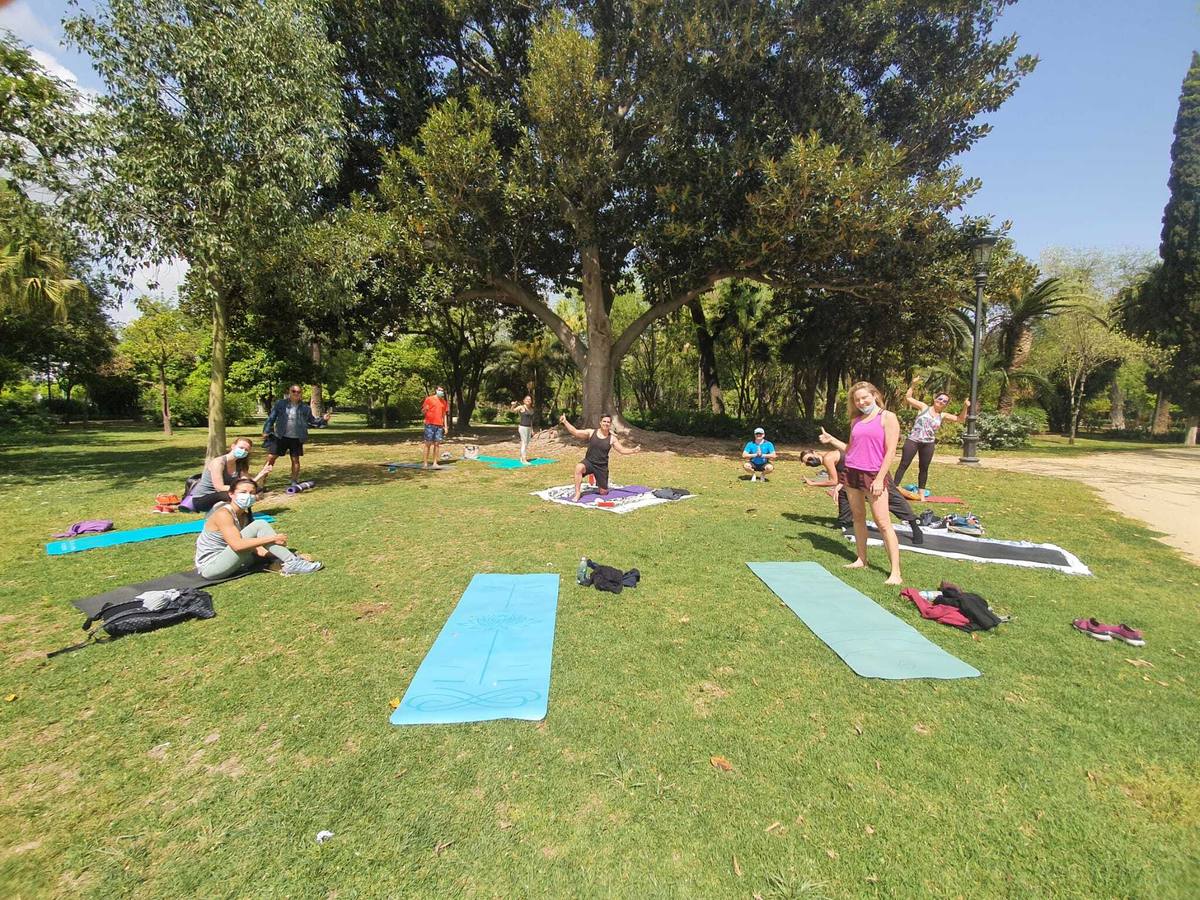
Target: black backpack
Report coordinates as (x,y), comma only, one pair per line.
(132,617)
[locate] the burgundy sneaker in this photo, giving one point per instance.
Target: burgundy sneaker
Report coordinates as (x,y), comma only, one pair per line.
(1093,629)
(1124,633)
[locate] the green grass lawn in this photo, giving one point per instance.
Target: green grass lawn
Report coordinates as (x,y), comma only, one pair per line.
(201,760)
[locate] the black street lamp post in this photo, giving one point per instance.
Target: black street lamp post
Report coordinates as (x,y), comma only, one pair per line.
(981,252)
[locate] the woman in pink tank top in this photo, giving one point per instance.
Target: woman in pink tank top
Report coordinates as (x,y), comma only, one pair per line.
(874,433)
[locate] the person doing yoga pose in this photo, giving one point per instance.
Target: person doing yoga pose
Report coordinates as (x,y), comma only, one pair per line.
(831,459)
(923,437)
(213,486)
(525,429)
(595,461)
(233,539)
(874,433)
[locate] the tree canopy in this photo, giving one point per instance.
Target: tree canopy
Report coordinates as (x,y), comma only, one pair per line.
(589,146)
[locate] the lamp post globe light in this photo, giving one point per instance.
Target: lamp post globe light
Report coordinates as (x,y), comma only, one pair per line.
(981,254)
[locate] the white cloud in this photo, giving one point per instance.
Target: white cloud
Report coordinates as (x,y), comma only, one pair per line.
(51,64)
(21,20)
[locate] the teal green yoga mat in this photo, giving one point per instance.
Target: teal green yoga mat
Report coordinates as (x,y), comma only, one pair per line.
(868,638)
(133,536)
(504,462)
(492,657)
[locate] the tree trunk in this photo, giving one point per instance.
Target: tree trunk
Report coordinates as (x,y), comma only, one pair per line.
(809,394)
(383,412)
(316,402)
(833,377)
(1077,409)
(709,376)
(1008,397)
(166,400)
(1162,415)
(599,369)
(216,386)
(1116,415)
(466,407)
(1189,435)
(67,403)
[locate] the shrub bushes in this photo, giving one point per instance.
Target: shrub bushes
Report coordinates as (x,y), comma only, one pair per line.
(998,432)
(189,405)
(21,415)
(1037,416)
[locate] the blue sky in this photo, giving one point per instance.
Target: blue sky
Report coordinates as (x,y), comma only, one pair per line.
(1077,158)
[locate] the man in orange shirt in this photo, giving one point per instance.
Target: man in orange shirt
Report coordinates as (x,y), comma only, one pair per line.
(437,424)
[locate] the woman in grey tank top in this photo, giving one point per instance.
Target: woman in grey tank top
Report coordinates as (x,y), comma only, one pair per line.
(232,539)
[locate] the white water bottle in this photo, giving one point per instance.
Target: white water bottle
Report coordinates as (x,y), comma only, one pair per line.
(582,573)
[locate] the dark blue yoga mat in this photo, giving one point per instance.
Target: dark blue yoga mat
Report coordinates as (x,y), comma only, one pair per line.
(868,638)
(133,536)
(492,657)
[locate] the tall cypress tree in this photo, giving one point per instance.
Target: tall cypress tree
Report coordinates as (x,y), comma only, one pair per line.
(1180,249)
(1165,308)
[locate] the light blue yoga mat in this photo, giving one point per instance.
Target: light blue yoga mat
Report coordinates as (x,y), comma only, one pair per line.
(133,536)
(492,657)
(504,462)
(868,638)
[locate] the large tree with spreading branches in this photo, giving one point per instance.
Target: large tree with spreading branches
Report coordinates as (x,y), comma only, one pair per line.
(589,146)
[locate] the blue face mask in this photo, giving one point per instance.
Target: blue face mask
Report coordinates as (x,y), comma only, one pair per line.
(239,453)
(244,500)
(869,410)
(441,393)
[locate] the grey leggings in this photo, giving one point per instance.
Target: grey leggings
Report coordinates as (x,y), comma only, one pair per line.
(229,560)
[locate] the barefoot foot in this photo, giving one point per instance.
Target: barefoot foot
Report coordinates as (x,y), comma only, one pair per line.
(894,579)
(857,564)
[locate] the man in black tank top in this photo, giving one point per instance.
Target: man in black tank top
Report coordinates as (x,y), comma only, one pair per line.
(595,461)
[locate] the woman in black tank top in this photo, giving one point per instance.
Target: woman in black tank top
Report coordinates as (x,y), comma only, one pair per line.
(600,441)
(525,426)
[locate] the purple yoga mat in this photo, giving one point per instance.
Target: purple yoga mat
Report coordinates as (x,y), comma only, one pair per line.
(620,493)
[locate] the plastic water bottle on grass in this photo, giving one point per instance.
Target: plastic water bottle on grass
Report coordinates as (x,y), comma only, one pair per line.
(581,573)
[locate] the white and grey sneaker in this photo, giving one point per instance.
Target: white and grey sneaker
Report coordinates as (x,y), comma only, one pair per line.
(298,566)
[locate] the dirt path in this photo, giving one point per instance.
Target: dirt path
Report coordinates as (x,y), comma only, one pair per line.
(1159,487)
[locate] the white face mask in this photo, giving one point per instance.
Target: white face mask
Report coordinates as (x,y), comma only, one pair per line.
(245,500)
(869,408)
(239,452)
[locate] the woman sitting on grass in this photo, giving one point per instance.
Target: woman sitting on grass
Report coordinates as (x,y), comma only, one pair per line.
(233,539)
(213,486)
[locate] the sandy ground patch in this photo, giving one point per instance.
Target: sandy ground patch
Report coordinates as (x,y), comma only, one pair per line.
(1159,487)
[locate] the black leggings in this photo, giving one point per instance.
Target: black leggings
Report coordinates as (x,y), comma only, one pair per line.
(208,501)
(897,505)
(924,454)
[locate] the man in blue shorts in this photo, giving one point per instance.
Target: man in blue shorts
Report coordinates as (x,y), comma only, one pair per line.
(437,422)
(758,456)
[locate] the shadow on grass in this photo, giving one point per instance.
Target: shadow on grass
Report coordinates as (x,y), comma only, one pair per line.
(116,464)
(827,539)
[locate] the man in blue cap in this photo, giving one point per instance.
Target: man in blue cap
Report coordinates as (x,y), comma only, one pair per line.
(758,456)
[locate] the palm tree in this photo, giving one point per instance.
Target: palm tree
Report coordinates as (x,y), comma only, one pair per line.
(1012,331)
(33,278)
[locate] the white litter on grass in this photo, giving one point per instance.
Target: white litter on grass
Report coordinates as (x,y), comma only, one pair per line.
(323,836)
